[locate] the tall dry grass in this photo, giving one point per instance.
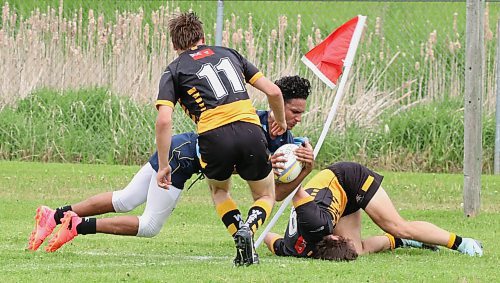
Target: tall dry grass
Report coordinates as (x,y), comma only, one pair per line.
(124,54)
(128,52)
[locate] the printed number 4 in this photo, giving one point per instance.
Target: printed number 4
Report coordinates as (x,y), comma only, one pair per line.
(212,74)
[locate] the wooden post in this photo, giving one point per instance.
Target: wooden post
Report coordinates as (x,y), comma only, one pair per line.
(474,81)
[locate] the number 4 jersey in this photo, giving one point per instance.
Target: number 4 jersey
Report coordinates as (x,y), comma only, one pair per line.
(209,83)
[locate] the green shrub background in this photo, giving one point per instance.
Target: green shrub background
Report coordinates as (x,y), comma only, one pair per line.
(95,126)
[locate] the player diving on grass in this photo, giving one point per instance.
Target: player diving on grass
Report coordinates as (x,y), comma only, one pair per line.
(144,189)
(325,221)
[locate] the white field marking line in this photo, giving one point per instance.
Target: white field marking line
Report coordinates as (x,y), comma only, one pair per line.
(57,266)
(151,255)
(169,257)
(172,260)
(71,265)
(124,254)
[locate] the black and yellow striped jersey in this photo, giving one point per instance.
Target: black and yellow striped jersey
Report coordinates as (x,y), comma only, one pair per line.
(339,190)
(209,83)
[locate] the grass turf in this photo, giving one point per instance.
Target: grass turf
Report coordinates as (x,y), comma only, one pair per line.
(194,246)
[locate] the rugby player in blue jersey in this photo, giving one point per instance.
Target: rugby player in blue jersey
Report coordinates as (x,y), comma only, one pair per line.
(143,187)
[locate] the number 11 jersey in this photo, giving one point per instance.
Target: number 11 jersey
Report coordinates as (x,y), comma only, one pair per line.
(209,83)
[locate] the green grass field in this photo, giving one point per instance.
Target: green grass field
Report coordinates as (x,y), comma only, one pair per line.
(194,246)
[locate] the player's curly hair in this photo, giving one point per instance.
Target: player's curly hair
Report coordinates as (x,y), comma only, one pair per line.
(294,87)
(186,30)
(335,249)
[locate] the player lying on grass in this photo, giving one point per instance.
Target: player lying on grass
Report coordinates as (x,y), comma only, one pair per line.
(325,221)
(143,187)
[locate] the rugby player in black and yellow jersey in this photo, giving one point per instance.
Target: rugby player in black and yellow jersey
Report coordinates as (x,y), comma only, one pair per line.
(325,221)
(209,83)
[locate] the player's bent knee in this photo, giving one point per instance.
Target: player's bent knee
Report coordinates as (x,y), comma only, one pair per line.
(122,203)
(157,211)
(149,227)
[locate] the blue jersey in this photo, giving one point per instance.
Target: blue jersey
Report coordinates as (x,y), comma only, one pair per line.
(273,144)
(184,156)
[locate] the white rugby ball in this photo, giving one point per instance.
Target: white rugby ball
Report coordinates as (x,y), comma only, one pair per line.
(292,166)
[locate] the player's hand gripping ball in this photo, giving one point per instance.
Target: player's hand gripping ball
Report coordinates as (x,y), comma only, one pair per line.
(292,167)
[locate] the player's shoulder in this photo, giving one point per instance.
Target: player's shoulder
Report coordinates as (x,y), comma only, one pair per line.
(226,51)
(222,49)
(171,69)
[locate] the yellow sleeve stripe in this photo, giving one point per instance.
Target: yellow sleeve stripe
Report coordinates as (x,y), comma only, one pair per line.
(302,201)
(256,77)
(451,241)
(274,241)
(164,102)
(367,183)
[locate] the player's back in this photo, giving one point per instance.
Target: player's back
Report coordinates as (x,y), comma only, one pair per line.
(209,82)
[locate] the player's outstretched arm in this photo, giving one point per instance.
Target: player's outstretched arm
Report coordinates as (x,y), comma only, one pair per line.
(270,239)
(163,140)
(276,103)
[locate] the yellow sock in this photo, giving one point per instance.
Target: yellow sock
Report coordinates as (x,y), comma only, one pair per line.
(230,215)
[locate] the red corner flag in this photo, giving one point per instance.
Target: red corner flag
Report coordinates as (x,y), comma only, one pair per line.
(327,59)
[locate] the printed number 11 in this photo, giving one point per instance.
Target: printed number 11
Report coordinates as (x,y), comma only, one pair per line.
(212,74)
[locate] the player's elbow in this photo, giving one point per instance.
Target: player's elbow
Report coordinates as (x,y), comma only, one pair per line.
(163,121)
(274,91)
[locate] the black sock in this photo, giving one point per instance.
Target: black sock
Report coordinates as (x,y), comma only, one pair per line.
(60,213)
(398,242)
(87,226)
(456,243)
(257,214)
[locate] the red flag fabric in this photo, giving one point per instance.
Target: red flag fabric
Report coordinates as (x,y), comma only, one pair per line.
(326,59)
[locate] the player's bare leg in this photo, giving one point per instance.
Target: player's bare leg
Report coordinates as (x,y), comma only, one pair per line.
(227,209)
(159,206)
(263,195)
(94,205)
(381,210)
(350,227)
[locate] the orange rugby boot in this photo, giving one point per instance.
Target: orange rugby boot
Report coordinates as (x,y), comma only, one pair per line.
(44,225)
(66,232)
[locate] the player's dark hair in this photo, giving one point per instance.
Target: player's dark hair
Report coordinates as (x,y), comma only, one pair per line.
(294,87)
(335,249)
(185,30)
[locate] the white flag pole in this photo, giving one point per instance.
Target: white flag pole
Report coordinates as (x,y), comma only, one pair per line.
(358,31)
